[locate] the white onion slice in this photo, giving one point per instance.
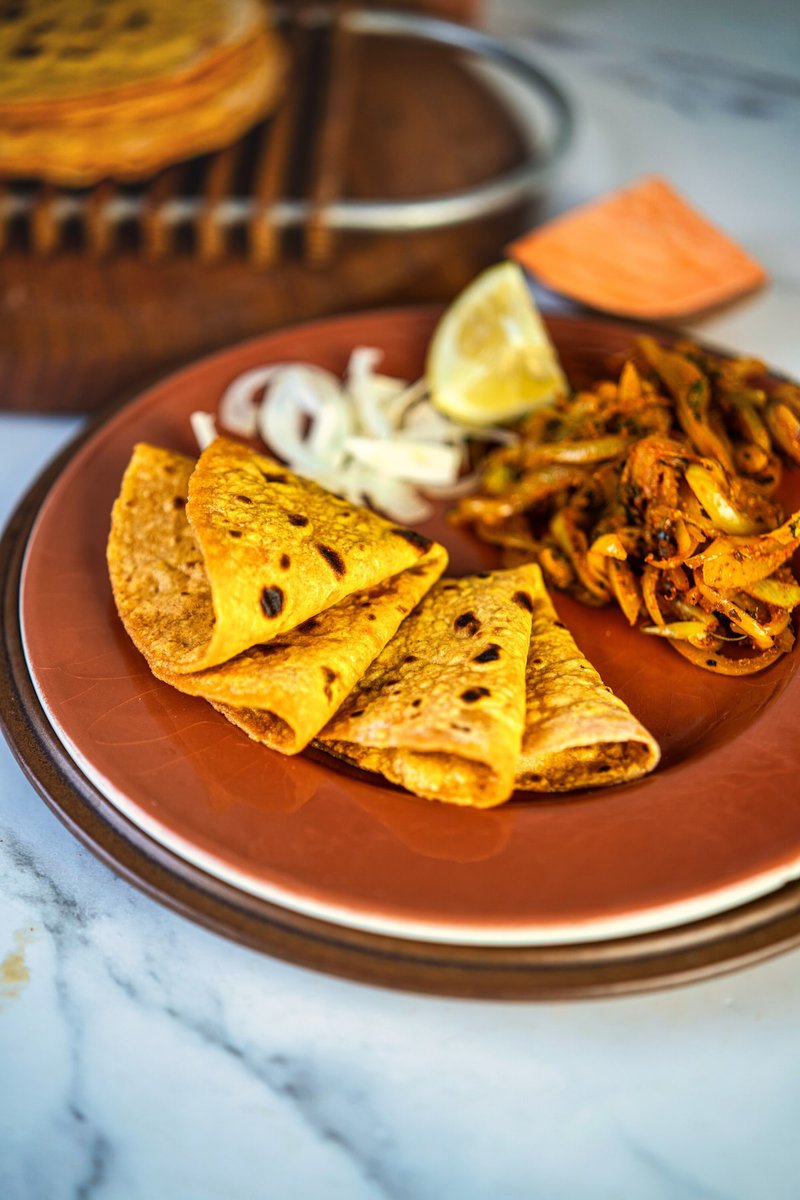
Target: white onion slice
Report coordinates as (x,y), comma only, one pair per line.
(384,388)
(400,501)
(425,423)
(404,400)
(451,491)
(204,428)
(490,433)
(330,429)
(296,394)
(409,461)
(238,408)
(370,391)
(373,439)
(356,482)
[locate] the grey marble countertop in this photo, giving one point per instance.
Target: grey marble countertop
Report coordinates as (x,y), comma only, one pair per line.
(142,1057)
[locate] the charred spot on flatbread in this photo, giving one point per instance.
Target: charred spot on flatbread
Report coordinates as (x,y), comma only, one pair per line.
(272,600)
(333,558)
(266,648)
(524,600)
(490,654)
(330,676)
(138,19)
(466,624)
(418,540)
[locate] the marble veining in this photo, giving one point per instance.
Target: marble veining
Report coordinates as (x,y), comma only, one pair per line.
(668,1173)
(289,1077)
(696,85)
(328,1105)
(66,921)
(690,82)
(163,1045)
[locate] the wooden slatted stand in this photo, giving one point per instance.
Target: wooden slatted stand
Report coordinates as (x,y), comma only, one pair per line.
(105,289)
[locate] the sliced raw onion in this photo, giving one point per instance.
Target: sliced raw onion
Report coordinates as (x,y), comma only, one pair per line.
(452,491)
(411,462)
(371,439)
(204,428)
(399,500)
(491,433)
(424,422)
(404,400)
(238,408)
(296,394)
(370,391)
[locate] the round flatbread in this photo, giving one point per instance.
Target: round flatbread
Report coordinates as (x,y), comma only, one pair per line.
(78,50)
(89,90)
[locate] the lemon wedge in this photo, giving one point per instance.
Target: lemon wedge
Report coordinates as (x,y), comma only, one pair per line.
(490,358)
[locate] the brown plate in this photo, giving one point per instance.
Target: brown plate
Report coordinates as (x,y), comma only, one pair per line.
(546,896)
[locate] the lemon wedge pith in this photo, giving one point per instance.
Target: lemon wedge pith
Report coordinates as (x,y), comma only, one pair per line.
(490,358)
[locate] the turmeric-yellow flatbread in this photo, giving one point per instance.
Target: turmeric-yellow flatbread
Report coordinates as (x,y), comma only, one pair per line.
(55,50)
(278,549)
(442,709)
(90,89)
(283,690)
(577,732)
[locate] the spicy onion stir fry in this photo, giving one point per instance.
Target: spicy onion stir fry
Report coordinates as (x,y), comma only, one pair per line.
(658,492)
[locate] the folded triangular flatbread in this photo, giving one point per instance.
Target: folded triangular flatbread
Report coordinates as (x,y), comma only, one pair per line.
(282,691)
(442,709)
(577,732)
(261,552)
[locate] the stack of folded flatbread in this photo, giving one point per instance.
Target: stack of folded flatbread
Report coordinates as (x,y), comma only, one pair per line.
(90,89)
(300,617)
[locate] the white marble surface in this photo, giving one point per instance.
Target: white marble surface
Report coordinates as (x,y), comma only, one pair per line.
(141,1057)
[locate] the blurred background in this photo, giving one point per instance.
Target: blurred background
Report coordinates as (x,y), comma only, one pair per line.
(175,179)
(168,175)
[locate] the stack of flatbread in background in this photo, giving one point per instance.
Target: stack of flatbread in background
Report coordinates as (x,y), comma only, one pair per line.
(90,90)
(300,616)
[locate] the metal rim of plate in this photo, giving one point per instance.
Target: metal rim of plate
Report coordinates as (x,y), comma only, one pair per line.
(481,200)
(692,952)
